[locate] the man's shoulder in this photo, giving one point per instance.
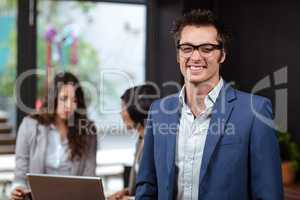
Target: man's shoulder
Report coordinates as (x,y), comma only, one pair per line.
(246,96)
(250,98)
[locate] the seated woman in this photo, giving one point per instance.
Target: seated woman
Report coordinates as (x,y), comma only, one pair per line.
(135,105)
(59,139)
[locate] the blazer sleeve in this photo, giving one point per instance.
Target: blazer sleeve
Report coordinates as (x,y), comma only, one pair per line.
(90,162)
(146,185)
(22,153)
(266,181)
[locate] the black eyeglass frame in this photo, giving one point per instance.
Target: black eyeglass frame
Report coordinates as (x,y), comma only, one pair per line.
(215,46)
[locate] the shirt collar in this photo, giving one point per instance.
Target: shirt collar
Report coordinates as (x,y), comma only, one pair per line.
(210,99)
(214,93)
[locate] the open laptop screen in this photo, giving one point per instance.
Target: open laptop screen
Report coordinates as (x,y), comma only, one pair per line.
(49,187)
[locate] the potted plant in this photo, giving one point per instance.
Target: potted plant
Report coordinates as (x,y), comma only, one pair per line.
(290,157)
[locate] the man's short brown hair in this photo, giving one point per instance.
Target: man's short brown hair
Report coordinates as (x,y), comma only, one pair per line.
(200,17)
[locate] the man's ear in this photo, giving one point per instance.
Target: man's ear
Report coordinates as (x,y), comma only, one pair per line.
(222,56)
(177,57)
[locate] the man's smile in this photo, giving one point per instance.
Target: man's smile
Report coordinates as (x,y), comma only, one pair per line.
(196,68)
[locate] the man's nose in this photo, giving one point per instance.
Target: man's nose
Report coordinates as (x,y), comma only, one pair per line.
(196,55)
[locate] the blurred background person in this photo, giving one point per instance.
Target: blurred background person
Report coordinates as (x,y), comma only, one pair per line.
(135,104)
(59,139)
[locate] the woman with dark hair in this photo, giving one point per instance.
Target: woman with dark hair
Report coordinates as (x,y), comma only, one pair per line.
(59,139)
(135,104)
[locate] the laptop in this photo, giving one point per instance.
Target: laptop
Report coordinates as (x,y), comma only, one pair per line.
(49,187)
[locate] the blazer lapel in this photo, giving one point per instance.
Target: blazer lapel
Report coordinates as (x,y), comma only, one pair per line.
(220,116)
(173,122)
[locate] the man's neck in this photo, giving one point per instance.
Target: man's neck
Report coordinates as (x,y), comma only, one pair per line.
(196,93)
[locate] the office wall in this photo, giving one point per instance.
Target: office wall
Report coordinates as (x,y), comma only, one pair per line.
(265,39)
(162,66)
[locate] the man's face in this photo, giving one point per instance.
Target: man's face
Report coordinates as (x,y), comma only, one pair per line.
(200,66)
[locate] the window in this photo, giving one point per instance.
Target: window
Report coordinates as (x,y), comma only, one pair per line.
(8,47)
(103,43)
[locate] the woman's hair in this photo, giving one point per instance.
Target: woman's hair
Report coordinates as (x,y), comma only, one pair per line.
(138,100)
(79,127)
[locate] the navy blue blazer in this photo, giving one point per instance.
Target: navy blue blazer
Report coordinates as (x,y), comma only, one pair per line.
(241,157)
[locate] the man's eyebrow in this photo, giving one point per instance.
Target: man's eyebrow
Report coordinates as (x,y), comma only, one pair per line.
(189,43)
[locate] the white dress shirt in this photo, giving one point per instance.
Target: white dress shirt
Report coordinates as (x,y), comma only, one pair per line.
(191,139)
(57,154)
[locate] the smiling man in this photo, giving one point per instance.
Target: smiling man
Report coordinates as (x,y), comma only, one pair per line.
(210,141)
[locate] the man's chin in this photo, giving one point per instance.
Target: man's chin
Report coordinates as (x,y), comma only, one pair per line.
(195,80)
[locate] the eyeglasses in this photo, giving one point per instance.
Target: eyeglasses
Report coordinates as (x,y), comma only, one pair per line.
(206,49)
